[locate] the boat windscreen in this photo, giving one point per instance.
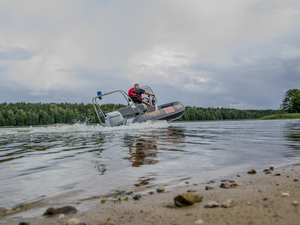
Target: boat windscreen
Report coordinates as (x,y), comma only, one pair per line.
(146,88)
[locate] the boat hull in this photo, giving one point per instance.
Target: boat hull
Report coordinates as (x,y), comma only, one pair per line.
(170,111)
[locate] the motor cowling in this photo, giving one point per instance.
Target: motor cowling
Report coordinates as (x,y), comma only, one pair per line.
(114,118)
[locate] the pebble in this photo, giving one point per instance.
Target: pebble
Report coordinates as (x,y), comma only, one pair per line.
(229,203)
(238,175)
(235,184)
(272,168)
(251,172)
(186,199)
(24,223)
(73,221)
(208,188)
(295,180)
(212,204)
(295,203)
(277,174)
(199,221)
(191,190)
(137,197)
(285,194)
(224,185)
(224,180)
(61,216)
(267,170)
(160,190)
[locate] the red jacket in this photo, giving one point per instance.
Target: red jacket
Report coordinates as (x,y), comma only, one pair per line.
(132,93)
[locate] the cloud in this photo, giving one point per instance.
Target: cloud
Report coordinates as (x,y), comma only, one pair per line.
(205,53)
(14,54)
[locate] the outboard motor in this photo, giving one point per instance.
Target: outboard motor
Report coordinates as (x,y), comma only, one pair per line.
(114,118)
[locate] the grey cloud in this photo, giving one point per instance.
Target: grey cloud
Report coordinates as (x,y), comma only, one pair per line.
(255,77)
(15,54)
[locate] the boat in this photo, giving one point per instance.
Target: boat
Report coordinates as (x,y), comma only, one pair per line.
(137,113)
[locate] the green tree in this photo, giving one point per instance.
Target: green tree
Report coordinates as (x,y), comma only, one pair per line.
(295,103)
(11,117)
(286,102)
(2,120)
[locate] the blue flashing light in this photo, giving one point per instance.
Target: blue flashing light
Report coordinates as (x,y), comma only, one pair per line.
(99,93)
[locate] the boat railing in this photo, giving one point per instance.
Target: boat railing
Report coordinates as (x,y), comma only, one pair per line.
(99,111)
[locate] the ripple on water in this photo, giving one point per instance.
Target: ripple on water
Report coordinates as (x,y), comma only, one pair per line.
(79,161)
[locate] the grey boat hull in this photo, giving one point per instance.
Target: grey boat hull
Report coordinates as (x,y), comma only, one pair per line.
(170,111)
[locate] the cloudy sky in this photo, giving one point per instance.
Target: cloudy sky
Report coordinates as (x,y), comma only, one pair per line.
(205,53)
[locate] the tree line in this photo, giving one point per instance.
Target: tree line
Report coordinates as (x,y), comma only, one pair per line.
(26,114)
(199,114)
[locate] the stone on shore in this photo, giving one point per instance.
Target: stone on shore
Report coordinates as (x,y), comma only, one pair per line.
(137,197)
(235,184)
(199,221)
(160,190)
(285,194)
(251,172)
(186,199)
(229,203)
(61,216)
(212,204)
(24,223)
(225,185)
(63,210)
(208,188)
(73,221)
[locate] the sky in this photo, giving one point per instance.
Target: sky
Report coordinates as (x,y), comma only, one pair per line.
(203,53)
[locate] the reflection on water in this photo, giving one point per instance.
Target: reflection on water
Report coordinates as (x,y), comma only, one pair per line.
(141,150)
(292,134)
(83,161)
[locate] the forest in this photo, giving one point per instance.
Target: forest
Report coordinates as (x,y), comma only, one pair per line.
(26,114)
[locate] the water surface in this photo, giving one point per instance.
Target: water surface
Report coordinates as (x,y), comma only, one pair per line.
(73,162)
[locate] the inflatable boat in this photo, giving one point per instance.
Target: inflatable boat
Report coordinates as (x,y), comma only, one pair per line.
(137,113)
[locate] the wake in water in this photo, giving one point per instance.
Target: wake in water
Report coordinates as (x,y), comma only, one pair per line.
(77,127)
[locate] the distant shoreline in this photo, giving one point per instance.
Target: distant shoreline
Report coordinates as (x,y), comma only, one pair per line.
(271,117)
(282,116)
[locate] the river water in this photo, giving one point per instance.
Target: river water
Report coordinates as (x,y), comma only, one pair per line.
(73,162)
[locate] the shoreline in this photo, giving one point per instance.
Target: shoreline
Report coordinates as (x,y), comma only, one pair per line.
(257,200)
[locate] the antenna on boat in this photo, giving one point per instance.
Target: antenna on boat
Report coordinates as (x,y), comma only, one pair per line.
(99,93)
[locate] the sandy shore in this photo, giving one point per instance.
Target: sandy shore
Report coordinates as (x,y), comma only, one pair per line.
(257,200)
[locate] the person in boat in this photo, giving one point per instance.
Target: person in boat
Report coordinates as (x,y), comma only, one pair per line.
(136,92)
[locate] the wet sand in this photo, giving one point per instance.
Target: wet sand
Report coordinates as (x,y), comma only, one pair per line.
(257,200)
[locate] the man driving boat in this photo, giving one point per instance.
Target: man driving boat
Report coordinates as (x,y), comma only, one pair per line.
(136,92)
